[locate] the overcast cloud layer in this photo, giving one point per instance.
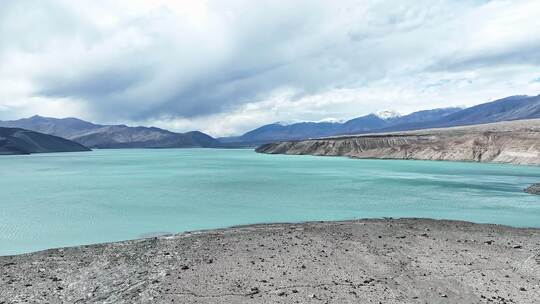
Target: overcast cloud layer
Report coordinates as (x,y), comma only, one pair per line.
(227,66)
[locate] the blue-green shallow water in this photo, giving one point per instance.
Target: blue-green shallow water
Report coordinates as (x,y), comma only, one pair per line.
(53,200)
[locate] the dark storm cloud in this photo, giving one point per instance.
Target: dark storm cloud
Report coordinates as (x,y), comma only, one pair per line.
(95,86)
(528,54)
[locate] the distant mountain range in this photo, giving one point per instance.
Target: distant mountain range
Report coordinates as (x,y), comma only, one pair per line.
(112,136)
(510,108)
(19,141)
(303,130)
(121,136)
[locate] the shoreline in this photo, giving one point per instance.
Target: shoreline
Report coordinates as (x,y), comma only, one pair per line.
(261,225)
(406,260)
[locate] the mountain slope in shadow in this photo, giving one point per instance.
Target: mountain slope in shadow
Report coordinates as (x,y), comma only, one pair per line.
(19,141)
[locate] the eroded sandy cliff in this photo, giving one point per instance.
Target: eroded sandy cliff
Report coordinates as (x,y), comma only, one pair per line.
(515,142)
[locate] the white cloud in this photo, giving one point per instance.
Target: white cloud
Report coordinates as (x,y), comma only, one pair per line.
(227,66)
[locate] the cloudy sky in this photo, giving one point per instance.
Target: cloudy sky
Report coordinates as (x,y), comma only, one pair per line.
(227,66)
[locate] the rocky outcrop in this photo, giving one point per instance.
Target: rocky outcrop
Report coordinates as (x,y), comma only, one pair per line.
(18,141)
(515,142)
(534,189)
(364,261)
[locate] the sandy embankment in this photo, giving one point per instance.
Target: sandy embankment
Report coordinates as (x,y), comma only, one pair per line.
(512,142)
(365,261)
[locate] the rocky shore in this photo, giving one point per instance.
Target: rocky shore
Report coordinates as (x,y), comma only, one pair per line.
(513,142)
(534,189)
(363,261)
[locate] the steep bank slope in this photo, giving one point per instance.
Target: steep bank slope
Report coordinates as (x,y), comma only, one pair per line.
(365,261)
(19,141)
(515,142)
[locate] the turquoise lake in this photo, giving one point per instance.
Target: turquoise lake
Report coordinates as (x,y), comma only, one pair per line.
(64,199)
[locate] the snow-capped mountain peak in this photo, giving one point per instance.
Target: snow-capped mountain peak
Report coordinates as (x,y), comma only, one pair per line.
(287,122)
(331,120)
(387,114)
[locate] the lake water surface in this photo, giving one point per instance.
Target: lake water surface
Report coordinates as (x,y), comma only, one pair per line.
(63,199)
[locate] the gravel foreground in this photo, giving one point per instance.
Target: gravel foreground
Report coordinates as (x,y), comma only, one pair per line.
(363,261)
